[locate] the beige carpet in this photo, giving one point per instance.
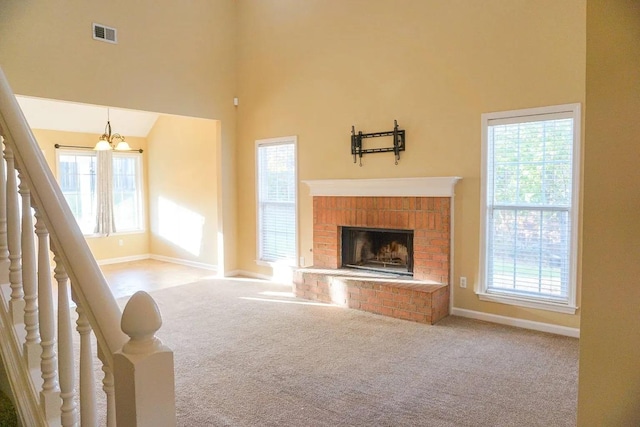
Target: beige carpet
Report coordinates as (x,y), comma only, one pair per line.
(247,354)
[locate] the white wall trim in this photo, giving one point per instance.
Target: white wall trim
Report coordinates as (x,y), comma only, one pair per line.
(181,261)
(107,261)
(538,304)
(520,323)
(250,274)
(186,262)
(442,186)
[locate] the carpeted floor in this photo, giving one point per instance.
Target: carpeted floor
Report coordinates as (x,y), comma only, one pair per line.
(249,354)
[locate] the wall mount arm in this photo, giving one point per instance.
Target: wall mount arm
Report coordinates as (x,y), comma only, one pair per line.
(399,143)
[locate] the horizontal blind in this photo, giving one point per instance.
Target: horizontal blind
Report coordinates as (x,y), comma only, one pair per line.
(529,203)
(127,191)
(277,202)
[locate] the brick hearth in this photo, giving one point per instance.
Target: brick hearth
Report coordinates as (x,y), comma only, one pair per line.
(420,301)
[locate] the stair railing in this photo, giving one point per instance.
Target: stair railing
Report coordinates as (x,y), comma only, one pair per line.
(35,221)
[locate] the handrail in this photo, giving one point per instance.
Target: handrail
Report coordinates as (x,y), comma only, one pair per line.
(87,281)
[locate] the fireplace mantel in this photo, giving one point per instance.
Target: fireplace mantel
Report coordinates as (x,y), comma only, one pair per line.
(403,187)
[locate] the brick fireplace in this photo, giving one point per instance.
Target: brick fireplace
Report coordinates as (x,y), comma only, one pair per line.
(421,206)
(428,217)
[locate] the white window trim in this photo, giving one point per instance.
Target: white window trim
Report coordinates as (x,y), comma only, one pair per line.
(82,151)
(272,141)
(568,307)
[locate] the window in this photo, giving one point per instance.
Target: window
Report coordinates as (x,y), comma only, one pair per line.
(77,178)
(529,207)
(127,194)
(277,195)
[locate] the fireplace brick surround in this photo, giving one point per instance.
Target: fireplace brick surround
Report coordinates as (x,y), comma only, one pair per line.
(429,217)
(425,298)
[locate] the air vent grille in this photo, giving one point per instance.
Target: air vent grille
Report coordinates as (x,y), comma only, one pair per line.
(104,33)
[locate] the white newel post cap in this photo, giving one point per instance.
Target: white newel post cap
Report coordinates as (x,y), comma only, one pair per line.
(143,369)
(141,320)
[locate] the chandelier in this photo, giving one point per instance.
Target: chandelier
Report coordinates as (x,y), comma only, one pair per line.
(108,140)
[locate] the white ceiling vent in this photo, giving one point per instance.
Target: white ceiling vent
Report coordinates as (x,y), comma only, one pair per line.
(104,33)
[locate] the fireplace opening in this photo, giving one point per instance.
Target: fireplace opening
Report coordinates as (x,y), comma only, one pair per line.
(384,250)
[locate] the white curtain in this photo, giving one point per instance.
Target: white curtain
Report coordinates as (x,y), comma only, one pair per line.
(105,222)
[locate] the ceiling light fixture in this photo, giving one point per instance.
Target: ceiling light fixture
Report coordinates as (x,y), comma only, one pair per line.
(107,140)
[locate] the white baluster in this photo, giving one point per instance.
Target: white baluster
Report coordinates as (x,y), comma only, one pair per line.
(69,410)
(32,347)
(50,393)
(4,248)
(144,366)
(16,304)
(109,390)
(87,378)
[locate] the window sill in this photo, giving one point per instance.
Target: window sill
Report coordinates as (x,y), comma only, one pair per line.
(528,302)
(123,233)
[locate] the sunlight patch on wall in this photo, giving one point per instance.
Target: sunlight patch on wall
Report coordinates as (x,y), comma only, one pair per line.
(180,226)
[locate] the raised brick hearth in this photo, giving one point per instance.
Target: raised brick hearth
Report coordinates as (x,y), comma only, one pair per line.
(420,301)
(374,204)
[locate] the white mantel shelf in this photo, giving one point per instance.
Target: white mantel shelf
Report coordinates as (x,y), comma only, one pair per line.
(440,186)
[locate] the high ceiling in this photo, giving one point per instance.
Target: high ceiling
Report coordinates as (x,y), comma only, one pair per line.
(73,117)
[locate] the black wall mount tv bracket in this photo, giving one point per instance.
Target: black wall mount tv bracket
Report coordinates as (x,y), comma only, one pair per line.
(398,142)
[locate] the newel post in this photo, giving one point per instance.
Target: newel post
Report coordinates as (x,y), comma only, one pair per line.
(143,369)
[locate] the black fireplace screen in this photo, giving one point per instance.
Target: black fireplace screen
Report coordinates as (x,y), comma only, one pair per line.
(378,249)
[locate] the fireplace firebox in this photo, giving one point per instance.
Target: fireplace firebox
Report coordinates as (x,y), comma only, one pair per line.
(377,249)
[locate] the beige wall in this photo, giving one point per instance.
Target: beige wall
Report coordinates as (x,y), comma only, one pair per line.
(170,58)
(183,191)
(609,382)
(103,248)
(310,70)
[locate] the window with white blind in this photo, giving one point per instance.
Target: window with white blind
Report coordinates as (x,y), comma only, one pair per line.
(127,192)
(77,178)
(530,187)
(277,200)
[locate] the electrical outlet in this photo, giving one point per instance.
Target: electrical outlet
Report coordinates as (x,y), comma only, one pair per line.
(301,261)
(120,242)
(463,282)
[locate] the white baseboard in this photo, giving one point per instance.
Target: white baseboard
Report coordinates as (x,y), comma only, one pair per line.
(250,274)
(189,263)
(520,323)
(123,259)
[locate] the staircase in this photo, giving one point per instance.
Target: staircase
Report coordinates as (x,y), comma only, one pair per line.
(49,361)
